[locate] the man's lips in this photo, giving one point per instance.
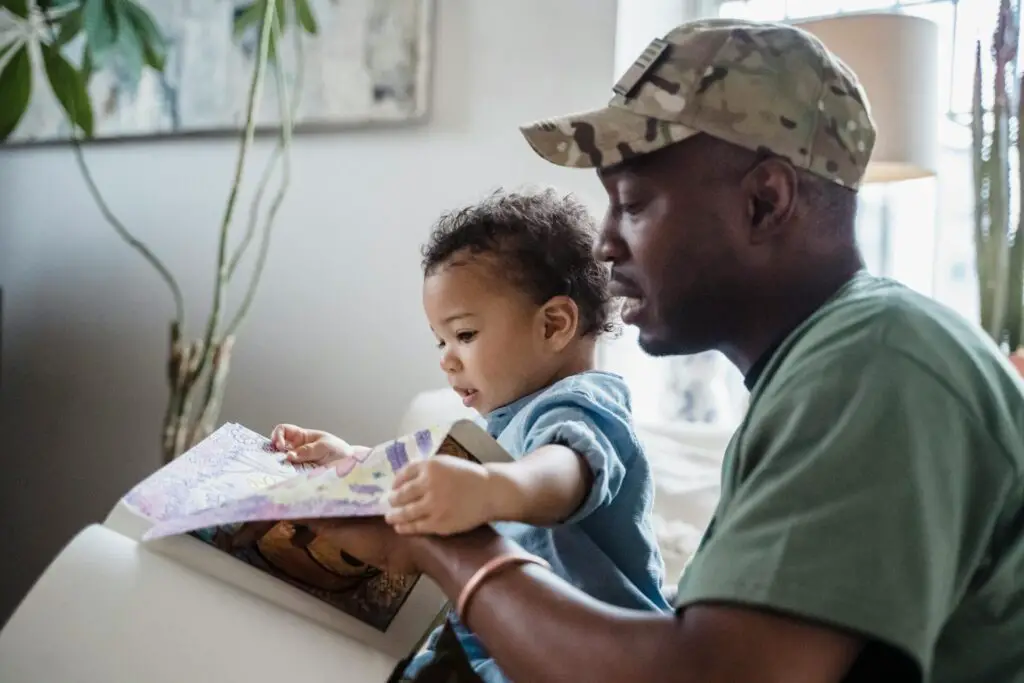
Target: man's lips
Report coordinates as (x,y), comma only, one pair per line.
(624,288)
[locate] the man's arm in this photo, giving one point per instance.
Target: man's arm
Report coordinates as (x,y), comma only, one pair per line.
(543,488)
(564,635)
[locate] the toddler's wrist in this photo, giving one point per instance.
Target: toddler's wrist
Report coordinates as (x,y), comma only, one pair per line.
(503,496)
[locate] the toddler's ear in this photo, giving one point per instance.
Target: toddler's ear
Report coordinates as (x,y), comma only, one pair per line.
(561,320)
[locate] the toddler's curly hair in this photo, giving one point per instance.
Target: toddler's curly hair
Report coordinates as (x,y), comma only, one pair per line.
(542,241)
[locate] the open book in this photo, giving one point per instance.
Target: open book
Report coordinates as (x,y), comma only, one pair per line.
(166,567)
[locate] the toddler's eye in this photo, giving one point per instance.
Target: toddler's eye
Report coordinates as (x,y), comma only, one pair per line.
(440,343)
(465,337)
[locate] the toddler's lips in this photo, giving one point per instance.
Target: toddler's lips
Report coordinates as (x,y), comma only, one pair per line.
(468,395)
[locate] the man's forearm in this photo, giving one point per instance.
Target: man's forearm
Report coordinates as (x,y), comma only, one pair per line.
(540,629)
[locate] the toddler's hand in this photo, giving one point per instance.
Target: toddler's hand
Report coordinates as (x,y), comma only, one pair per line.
(312,445)
(440,495)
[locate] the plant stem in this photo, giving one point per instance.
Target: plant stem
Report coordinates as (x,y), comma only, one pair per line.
(255,90)
(286,171)
(132,241)
(274,157)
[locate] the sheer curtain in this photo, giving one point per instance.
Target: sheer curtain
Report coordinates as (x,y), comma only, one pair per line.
(918,232)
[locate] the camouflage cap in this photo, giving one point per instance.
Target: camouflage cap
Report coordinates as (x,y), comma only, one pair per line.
(763,86)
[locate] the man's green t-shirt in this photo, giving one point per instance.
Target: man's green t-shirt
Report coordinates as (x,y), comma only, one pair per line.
(876,485)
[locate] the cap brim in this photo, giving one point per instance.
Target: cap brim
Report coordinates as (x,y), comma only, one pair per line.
(601,138)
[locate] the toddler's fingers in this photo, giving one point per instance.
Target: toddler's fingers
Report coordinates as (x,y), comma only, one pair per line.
(307,453)
(408,514)
(407,493)
(407,474)
(287,436)
(416,528)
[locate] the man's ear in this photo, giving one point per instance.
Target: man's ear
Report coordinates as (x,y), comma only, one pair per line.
(771,189)
(560,318)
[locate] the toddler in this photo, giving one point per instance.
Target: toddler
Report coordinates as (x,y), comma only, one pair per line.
(517,302)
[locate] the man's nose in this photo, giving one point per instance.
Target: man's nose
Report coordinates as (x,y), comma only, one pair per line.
(609,246)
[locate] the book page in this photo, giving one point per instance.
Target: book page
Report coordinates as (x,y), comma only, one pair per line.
(229,465)
(110,611)
(348,488)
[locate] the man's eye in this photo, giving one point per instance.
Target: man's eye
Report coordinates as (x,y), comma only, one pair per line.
(631,208)
(465,337)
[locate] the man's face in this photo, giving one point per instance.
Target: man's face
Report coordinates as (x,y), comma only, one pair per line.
(675,234)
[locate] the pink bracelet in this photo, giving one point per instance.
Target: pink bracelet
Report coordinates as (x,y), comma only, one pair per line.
(490,568)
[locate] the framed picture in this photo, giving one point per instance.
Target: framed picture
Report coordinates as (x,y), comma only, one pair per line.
(345,63)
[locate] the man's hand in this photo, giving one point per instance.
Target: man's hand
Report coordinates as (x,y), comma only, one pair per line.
(441,495)
(315,446)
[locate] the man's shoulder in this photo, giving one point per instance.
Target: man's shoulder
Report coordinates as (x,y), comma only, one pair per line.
(879,320)
(915,352)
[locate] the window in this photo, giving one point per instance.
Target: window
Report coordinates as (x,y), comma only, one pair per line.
(919,232)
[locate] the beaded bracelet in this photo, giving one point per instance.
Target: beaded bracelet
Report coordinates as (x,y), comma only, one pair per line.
(490,568)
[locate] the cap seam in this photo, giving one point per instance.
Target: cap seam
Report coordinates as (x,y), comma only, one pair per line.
(818,113)
(699,104)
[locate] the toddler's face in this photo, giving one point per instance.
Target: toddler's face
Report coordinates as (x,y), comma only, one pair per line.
(491,335)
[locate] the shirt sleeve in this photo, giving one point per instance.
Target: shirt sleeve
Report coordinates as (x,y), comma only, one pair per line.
(576,421)
(865,498)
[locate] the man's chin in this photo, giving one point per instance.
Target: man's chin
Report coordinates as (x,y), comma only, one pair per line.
(655,345)
(659,343)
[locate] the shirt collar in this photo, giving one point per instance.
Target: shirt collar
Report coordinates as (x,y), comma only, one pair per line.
(498,419)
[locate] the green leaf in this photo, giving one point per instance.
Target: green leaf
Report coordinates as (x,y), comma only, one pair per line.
(86,69)
(152,39)
(7,48)
(70,26)
(306,17)
(128,50)
(18,8)
(69,87)
(16,85)
(251,16)
(100,22)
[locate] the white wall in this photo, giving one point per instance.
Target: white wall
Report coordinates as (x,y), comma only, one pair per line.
(336,338)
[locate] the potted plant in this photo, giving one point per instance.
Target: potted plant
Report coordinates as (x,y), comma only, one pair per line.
(998,184)
(123,35)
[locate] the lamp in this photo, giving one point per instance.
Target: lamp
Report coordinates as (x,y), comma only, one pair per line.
(895,56)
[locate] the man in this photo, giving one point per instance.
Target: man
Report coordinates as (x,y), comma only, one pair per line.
(870,520)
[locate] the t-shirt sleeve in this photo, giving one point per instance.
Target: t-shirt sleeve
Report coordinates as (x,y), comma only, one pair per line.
(864,502)
(575,420)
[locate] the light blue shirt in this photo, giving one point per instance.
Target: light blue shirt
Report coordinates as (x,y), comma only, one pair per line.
(607,548)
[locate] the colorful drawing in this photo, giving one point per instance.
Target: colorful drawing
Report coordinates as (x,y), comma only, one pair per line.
(361,491)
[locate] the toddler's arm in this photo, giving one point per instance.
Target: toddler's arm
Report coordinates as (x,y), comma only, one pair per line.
(572,468)
(545,487)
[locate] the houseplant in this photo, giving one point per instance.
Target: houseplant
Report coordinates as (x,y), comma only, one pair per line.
(122,35)
(998,183)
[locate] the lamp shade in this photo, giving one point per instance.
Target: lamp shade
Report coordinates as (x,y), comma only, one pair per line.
(895,56)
